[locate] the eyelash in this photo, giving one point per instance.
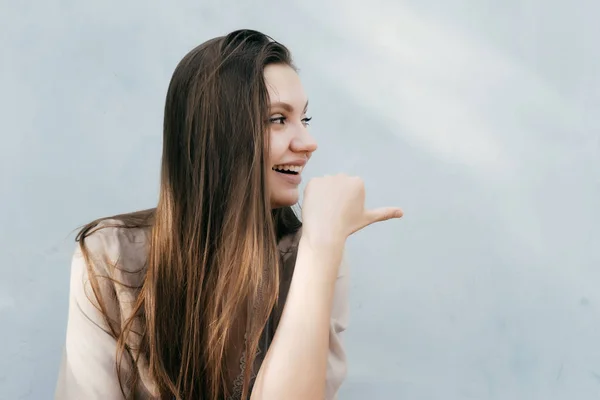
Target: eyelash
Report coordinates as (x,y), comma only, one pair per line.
(280,120)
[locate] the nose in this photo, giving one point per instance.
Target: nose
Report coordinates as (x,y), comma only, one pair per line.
(304,142)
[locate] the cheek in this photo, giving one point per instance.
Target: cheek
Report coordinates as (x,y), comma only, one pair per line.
(277,147)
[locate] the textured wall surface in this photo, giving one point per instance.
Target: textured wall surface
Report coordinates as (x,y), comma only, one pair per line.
(478,117)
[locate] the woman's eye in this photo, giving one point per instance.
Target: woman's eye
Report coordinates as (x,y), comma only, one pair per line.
(281,120)
(277,120)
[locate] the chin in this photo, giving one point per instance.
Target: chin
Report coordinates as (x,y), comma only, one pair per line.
(285,198)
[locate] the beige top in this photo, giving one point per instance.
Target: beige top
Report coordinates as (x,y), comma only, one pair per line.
(88,370)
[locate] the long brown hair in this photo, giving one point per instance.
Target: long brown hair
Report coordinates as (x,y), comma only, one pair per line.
(213,254)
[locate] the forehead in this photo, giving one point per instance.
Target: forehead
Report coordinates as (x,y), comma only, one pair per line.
(284,85)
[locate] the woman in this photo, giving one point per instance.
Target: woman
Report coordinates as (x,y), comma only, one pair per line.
(217,292)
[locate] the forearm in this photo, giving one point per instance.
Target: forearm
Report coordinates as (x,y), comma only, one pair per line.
(295,366)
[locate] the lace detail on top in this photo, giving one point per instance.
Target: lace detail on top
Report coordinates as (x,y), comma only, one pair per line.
(238,383)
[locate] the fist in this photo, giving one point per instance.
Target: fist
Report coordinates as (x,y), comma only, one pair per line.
(334,208)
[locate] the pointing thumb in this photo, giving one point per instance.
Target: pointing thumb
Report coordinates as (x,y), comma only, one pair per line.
(382,214)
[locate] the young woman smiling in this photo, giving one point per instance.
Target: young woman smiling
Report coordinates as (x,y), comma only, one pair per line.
(220,292)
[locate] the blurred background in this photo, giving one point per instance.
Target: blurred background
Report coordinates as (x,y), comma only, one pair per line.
(478,117)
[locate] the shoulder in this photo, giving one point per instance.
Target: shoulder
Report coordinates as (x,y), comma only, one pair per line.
(114,249)
(107,271)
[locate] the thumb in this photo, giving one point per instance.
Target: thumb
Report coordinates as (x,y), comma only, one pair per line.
(382,214)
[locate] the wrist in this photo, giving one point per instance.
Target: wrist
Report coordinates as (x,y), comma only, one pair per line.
(318,262)
(325,247)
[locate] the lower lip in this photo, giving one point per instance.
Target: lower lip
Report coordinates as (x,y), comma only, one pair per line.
(293,179)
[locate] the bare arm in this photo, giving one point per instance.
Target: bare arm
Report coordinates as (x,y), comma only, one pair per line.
(295,366)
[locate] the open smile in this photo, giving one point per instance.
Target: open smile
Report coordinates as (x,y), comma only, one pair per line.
(290,173)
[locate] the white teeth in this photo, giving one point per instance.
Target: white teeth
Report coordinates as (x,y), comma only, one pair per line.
(293,168)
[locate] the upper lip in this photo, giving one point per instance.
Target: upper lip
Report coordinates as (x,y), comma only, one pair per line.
(299,163)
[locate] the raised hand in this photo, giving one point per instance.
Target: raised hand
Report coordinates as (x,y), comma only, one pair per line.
(334,208)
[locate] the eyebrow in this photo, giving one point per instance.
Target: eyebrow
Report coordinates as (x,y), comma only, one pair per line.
(287,107)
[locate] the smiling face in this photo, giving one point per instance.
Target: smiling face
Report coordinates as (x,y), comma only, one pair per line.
(291,145)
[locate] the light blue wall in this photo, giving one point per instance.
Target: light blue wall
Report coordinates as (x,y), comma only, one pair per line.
(479,118)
